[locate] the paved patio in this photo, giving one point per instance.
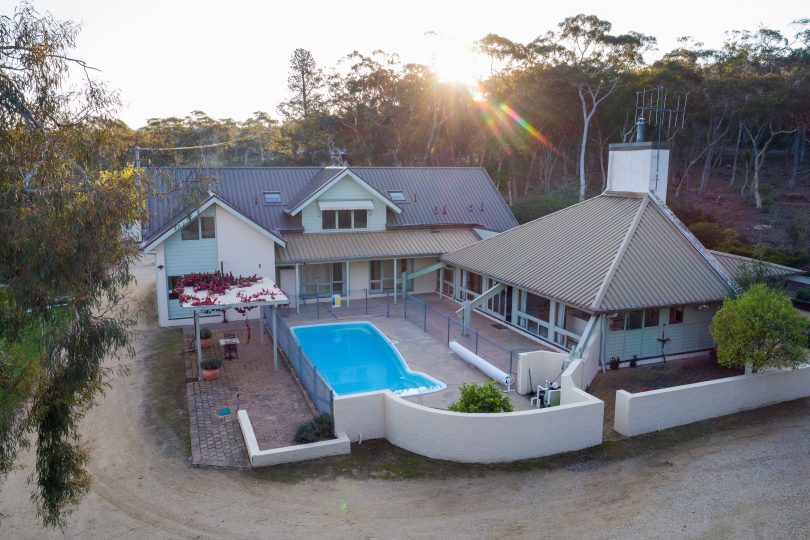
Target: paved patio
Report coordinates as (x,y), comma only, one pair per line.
(273,399)
(653,377)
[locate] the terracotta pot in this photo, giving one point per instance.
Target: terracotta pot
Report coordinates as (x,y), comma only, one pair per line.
(210,374)
(206,342)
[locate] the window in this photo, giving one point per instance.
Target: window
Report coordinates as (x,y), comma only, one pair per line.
(361,219)
(272,197)
(207,227)
(203,227)
(538,307)
(651,317)
(191,231)
(397,196)
(329,219)
(381,275)
(617,323)
(344,219)
(634,319)
(172,284)
(676,315)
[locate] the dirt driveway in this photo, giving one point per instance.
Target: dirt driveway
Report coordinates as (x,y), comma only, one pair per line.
(742,476)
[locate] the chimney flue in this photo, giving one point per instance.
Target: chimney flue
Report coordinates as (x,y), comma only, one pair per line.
(640,129)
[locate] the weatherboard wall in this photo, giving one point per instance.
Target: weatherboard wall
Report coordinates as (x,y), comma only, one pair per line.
(345,189)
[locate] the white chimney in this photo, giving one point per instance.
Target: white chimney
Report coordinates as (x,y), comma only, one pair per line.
(638,167)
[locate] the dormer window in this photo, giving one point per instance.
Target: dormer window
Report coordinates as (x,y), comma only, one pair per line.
(397,196)
(272,197)
(344,219)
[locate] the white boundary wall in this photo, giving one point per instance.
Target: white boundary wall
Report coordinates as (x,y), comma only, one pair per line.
(661,409)
(471,437)
(289,454)
(537,367)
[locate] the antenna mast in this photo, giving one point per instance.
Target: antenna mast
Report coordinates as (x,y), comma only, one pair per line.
(661,121)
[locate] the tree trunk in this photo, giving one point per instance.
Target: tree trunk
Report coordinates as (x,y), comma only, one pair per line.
(582,146)
(707,167)
(736,156)
(798,139)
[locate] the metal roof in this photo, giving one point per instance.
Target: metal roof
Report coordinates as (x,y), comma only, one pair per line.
(733,263)
(436,196)
(321,178)
(613,252)
(322,247)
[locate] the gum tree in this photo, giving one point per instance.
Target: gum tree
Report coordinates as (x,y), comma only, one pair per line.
(64,268)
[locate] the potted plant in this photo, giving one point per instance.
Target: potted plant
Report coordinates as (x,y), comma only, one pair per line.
(614,362)
(634,361)
(210,367)
(205,337)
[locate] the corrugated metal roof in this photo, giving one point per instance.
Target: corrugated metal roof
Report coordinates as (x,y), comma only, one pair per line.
(564,255)
(321,178)
(310,248)
(732,264)
(437,196)
(613,252)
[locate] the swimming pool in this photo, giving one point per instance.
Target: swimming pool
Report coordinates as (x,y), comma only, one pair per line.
(356,357)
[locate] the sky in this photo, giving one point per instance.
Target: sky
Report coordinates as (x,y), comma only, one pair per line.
(229,59)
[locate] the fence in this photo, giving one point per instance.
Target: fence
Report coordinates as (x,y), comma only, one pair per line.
(313,382)
(443,327)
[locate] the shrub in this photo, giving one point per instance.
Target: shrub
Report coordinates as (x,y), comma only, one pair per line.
(314,430)
(762,328)
(212,363)
(486,398)
(529,208)
(713,236)
(689,214)
(205,333)
(803,294)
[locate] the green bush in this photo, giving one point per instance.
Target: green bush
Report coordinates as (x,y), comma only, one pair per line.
(486,398)
(689,214)
(315,430)
(713,236)
(529,208)
(760,327)
(803,294)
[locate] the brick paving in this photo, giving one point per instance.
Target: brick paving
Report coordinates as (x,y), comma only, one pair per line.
(273,400)
(653,377)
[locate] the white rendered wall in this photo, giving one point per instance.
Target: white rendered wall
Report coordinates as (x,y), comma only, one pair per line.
(634,171)
(544,365)
(244,251)
(646,412)
(471,437)
(346,189)
(426,283)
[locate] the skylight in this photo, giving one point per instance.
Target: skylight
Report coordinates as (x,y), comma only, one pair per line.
(397,196)
(272,197)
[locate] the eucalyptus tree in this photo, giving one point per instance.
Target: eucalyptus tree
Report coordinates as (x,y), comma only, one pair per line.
(304,111)
(64,269)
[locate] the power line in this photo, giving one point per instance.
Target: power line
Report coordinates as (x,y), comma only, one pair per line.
(201,146)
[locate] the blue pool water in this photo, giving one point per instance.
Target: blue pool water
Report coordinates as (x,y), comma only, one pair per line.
(356,357)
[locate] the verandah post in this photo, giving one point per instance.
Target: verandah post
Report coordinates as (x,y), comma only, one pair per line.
(448,330)
(424,319)
(366,292)
(387,303)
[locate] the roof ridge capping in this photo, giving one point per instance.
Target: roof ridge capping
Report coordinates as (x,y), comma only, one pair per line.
(692,239)
(631,231)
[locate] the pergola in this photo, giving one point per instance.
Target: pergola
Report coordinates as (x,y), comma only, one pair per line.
(261,294)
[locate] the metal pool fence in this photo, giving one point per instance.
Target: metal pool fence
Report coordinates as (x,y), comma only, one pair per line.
(442,327)
(313,382)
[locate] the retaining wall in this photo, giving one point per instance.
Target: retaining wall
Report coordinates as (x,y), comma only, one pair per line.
(655,410)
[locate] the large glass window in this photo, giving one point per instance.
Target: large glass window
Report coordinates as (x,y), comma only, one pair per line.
(381,274)
(172,284)
(634,320)
(322,280)
(651,317)
(676,315)
(329,219)
(344,220)
(537,307)
(203,227)
(361,219)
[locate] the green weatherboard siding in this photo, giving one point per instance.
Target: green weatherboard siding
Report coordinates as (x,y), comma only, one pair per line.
(187,256)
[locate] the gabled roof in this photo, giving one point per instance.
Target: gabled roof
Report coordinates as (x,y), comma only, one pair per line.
(617,251)
(325,179)
(437,196)
(734,263)
(311,248)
